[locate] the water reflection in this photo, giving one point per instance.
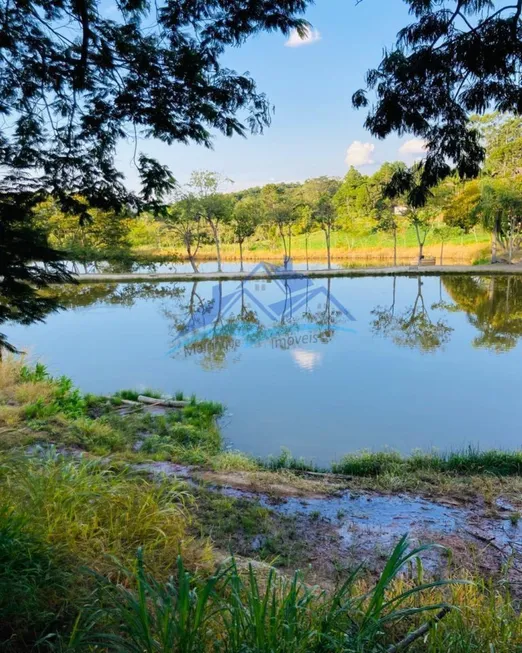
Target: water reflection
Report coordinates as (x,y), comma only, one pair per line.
(493,305)
(212,324)
(293,367)
(286,314)
(118,294)
(414,327)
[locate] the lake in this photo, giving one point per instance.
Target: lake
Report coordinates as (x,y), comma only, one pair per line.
(319,366)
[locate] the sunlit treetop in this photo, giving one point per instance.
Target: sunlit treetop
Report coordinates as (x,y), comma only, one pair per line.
(457,58)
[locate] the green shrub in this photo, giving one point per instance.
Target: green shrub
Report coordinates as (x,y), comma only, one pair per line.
(34,374)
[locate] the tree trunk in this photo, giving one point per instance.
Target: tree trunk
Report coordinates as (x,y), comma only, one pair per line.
(191,256)
(215,233)
(282,232)
(327,234)
(441,251)
(510,250)
(421,244)
(395,247)
(306,248)
(494,243)
(241,256)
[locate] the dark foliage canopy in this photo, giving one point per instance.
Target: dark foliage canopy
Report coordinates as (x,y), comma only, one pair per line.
(457,58)
(78,76)
(26,264)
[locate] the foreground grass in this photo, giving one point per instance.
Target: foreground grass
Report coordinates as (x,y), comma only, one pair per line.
(95,557)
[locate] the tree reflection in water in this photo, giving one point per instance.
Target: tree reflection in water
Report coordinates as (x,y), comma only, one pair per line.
(119,294)
(413,328)
(493,305)
(216,329)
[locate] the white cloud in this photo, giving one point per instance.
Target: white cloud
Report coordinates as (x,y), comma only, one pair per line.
(413,146)
(306,360)
(295,41)
(360,154)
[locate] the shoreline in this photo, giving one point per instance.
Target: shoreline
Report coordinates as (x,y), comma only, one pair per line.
(90,475)
(428,270)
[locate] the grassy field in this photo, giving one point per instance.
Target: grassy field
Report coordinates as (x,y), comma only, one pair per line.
(379,246)
(98,555)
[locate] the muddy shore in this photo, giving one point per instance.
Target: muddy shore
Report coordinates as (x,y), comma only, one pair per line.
(338,526)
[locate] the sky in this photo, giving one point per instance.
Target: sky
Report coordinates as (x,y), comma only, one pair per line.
(315,131)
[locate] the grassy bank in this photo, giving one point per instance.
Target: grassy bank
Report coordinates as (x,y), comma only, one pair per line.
(97,555)
(374,248)
(466,253)
(468,461)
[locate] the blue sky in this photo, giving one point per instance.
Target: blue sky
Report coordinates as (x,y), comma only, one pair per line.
(311,87)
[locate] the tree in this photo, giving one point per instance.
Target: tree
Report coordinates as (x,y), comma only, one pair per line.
(351,203)
(22,244)
(502,137)
(105,232)
(280,209)
(76,80)
(211,205)
(185,220)
(422,221)
(304,224)
(246,216)
(496,204)
(456,58)
(318,195)
(386,212)
(500,210)
(407,182)
(444,232)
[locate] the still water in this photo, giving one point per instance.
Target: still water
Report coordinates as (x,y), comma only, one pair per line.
(319,366)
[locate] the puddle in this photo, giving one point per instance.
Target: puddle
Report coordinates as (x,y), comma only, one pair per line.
(370,519)
(387,516)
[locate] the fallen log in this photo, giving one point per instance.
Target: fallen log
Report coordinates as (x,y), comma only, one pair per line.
(169,403)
